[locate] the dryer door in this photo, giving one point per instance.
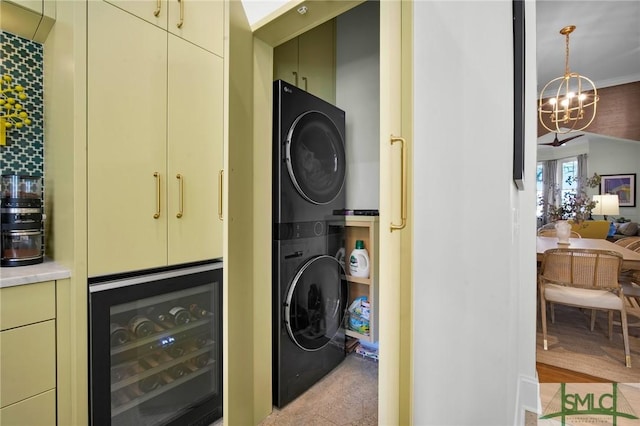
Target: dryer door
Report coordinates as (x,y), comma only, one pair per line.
(315,157)
(316,303)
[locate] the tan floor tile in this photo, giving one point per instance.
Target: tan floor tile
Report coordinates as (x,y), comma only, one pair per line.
(346,396)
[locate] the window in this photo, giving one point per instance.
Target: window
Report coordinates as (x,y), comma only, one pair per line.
(539,186)
(566,174)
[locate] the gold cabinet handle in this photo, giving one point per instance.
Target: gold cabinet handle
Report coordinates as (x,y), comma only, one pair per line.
(295,76)
(220,186)
(304,79)
(158,8)
(179,24)
(180,195)
(403,189)
(157,176)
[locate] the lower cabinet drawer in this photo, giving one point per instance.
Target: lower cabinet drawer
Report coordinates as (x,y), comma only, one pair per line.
(27,304)
(28,362)
(39,410)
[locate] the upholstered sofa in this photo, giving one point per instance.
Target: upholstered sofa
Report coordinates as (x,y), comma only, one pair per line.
(588,228)
(627,229)
(592,228)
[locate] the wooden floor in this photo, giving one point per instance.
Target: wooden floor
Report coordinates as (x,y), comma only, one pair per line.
(550,374)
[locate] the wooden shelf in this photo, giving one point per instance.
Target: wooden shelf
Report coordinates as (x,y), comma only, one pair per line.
(359,280)
(364,228)
(359,336)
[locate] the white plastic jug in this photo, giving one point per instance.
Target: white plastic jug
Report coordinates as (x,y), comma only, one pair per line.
(359,261)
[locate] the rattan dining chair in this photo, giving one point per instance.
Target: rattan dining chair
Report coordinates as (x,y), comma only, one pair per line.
(629,242)
(552,233)
(583,278)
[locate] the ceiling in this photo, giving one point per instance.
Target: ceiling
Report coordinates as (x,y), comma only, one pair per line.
(604,47)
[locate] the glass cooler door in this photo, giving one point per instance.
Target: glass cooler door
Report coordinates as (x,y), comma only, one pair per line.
(156,348)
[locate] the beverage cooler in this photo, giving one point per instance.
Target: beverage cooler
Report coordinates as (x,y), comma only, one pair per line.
(156,347)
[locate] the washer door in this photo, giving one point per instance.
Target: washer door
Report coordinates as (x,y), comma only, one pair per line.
(316,303)
(315,157)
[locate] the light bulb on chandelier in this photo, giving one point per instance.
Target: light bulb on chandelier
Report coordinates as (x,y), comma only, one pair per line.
(571,100)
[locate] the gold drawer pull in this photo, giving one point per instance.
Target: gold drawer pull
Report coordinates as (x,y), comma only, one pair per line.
(295,77)
(304,79)
(158,7)
(179,24)
(403,189)
(157,176)
(180,195)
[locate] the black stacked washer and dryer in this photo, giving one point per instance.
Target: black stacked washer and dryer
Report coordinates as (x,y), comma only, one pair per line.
(309,286)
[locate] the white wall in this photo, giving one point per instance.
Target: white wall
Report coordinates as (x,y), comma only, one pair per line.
(474,270)
(358,94)
(605,156)
(608,157)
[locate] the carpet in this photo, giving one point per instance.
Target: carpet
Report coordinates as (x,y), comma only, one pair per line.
(573,346)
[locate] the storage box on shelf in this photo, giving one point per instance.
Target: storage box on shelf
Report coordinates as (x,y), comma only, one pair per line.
(363,228)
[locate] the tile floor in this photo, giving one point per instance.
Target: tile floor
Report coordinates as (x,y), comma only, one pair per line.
(346,396)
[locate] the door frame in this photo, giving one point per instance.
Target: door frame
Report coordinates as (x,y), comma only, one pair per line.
(395,365)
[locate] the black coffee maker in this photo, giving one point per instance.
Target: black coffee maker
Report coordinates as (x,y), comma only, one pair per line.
(21,220)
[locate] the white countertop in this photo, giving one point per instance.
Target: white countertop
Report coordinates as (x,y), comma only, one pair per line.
(20,275)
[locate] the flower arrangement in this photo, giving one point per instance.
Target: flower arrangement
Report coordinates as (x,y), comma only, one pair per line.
(575,206)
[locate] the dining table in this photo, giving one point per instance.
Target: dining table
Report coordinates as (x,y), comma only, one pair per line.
(630,258)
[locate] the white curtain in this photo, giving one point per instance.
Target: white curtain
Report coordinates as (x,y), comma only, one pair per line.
(582,173)
(549,187)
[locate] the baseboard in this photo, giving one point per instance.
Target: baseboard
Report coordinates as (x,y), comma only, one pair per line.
(527,398)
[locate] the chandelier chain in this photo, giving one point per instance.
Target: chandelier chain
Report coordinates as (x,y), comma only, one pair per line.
(566,60)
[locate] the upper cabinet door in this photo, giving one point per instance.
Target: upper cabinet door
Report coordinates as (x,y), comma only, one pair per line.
(127,112)
(200,22)
(285,62)
(195,152)
(309,61)
(317,61)
(154,11)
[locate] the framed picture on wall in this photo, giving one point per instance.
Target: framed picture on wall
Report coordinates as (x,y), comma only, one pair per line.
(624,186)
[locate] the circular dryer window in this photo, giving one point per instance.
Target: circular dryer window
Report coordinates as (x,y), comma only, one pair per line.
(316,303)
(315,157)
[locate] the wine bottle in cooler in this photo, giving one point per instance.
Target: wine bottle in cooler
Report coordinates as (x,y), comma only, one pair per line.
(177,371)
(119,334)
(148,383)
(141,326)
(199,361)
(179,315)
(201,341)
(176,350)
(162,320)
(198,312)
(119,372)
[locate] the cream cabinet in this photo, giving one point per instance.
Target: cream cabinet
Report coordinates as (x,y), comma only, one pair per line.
(200,22)
(308,61)
(28,354)
(30,19)
(363,228)
(155,145)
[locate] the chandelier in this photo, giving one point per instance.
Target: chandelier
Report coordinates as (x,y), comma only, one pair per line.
(571,105)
